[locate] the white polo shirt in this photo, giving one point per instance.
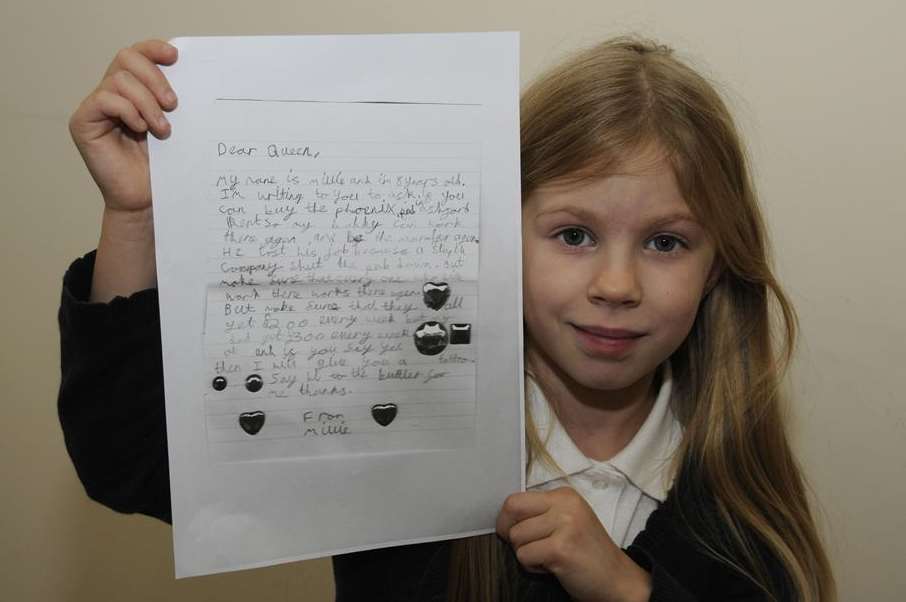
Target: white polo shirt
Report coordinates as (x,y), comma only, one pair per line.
(624,490)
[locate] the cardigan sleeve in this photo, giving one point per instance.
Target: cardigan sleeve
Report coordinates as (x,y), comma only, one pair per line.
(111,401)
(682,572)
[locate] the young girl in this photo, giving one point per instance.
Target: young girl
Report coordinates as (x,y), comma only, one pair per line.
(659,464)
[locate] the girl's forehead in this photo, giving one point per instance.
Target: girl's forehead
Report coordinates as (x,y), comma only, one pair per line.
(636,201)
(639,159)
(652,188)
(634,159)
(644,187)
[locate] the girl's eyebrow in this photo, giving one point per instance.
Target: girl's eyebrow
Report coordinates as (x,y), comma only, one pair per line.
(670,218)
(589,216)
(579,212)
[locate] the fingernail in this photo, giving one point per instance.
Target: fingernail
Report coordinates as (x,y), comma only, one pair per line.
(169,97)
(162,122)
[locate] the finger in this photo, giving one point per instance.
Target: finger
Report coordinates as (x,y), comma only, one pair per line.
(535,556)
(520,506)
(135,91)
(531,529)
(141,61)
(105,106)
(156,51)
(159,51)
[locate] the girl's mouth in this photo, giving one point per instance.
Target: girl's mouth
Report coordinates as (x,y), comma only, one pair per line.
(607,342)
(611,333)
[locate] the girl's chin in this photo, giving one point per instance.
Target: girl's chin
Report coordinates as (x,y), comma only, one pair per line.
(608,385)
(578,373)
(620,380)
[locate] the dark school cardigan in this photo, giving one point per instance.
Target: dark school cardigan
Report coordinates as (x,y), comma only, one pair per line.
(111,408)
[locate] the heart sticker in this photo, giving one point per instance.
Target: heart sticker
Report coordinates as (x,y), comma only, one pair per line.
(436,294)
(431,338)
(251,422)
(383,413)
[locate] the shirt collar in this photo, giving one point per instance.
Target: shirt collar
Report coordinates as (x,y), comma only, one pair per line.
(645,460)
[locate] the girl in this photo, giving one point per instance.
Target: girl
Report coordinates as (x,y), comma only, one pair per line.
(659,465)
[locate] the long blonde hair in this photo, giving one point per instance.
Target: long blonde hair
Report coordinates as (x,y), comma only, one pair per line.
(738,489)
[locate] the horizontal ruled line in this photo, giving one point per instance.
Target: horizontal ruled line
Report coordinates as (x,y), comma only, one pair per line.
(375,102)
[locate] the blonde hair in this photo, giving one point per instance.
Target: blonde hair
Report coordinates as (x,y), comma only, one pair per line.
(738,489)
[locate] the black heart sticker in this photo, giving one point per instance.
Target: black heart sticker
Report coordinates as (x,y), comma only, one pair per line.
(251,422)
(436,294)
(431,338)
(383,413)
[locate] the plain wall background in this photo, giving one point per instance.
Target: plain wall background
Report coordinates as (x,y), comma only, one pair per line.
(817,87)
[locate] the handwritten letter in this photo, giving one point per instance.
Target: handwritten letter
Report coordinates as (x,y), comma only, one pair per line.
(337,238)
(323,278)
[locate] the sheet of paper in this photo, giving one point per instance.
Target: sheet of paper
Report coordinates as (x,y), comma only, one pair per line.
(338,257)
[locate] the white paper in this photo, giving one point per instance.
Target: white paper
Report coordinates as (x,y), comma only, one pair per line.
(323,203)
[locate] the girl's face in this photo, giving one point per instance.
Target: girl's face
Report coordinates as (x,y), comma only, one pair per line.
(614,270)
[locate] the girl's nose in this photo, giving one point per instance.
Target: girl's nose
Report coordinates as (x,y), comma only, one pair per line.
(615,282)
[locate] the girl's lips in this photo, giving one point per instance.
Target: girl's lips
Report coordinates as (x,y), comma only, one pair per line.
(607,342)
(610,333)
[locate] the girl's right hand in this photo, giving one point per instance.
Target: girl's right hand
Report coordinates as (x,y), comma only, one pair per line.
(111,125)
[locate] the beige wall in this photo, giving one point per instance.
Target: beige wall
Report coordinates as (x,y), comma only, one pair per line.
(818,87)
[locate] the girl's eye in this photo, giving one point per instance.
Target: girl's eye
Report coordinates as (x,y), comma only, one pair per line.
(665,243)
(574,237)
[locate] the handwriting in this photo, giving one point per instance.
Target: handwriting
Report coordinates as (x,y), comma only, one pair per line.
(317,276)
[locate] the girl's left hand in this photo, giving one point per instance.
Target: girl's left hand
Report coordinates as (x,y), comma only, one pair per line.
(557,532)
